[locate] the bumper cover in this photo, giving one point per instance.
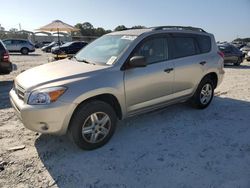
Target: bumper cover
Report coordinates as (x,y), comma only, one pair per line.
(53,118)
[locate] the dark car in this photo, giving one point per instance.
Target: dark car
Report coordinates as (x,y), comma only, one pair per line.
(41,44)
(231,54)
(48,47)
(5,64)
(69,48)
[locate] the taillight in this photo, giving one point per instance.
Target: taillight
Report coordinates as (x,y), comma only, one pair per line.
(6,56)
(221,54)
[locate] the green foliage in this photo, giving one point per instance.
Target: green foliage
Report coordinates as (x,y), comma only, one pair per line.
(87,29)
(120,28)
(138,27)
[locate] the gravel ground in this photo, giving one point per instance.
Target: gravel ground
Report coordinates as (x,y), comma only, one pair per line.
(177,147)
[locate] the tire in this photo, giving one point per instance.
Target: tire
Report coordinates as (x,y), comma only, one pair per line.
(25,51)
(239,61)
(92,125)
(206,86)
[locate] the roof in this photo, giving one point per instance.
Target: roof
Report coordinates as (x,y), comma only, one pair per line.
(137,32)
(15,39)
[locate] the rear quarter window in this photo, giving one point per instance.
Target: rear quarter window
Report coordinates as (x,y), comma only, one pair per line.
(204,43)
(184,46)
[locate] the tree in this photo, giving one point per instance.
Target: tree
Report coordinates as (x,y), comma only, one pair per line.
(86,29)
(87,26)
(120,28)
(108,31)
(138,27)
(100,31)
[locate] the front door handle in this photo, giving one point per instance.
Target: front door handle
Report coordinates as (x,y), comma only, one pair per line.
(168,70)
(203,63)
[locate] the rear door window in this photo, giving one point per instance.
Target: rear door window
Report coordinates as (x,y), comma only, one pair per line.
(184,46)
(16,42)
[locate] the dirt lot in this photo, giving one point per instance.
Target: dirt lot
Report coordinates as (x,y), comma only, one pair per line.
(178,147)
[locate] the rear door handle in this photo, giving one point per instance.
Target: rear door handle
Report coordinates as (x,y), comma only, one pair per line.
(168,70)
(203,63)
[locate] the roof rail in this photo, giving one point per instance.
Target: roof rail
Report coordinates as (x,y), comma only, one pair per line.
(178,28)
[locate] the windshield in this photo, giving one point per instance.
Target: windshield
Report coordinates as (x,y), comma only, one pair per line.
(67,44)
(105,50)
(52,43)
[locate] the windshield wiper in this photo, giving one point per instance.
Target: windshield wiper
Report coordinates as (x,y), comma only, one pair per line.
(83,60)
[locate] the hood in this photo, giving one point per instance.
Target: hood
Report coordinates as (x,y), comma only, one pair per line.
(44,47)
(59,71)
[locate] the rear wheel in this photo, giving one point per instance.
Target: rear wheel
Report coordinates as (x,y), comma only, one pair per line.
(239,61)
(204,94)
(25,51)
(92,125)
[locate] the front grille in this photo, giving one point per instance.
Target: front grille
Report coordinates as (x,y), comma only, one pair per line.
(20,91)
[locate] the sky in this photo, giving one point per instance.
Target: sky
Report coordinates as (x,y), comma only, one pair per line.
(226,19)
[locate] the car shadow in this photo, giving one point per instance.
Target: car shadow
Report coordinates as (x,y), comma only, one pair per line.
(175,147)
(5,87)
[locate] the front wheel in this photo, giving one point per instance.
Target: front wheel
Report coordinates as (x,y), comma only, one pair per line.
(204,94)
(92,125)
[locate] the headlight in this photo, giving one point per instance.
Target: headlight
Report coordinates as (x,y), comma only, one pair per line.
(46,95)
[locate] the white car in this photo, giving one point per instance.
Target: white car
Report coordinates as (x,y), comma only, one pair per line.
(248,56)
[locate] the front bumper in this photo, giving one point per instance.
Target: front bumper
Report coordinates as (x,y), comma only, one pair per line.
(53,118)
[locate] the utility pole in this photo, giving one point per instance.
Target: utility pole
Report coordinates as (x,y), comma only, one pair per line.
(20,28)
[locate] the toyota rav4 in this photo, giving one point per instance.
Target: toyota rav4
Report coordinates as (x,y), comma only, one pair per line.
(119,75)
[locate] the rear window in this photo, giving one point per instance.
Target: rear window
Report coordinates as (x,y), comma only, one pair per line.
(2,47)
(184,46)
(204,43)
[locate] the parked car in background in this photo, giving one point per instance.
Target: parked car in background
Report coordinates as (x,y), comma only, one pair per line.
(48,47)
(69,48)
(41,44)
(248,56)
(238,44)
(245,49)
(231,54)
(118,75)
(5,64)
(19,45)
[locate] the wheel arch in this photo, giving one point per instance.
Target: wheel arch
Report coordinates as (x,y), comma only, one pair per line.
(213,76)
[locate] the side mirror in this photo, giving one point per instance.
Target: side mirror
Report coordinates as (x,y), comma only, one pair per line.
(137,61)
